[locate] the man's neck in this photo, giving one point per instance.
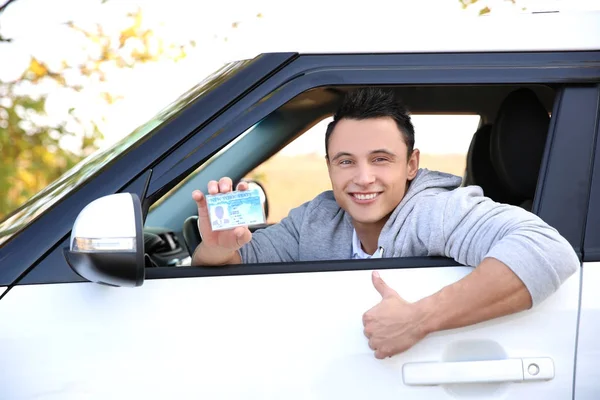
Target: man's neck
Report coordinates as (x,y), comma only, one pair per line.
(368,235)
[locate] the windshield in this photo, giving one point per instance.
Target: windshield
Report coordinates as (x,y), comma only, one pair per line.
(89,166)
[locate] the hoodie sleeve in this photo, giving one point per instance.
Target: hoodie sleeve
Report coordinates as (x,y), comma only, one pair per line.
(474,227)
(277,243)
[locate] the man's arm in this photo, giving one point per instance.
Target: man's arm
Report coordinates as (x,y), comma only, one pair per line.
(492,290)
(519,262)
(474,228)
(279,242)
(394,325)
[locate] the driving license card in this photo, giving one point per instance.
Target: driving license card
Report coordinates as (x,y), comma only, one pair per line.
(228,210)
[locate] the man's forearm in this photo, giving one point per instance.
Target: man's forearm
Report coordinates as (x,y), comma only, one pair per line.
(492,290)
(207,256)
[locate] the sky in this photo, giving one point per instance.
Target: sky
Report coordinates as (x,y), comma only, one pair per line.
(37,27)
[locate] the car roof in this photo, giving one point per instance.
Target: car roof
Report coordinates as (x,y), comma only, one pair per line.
(547,31)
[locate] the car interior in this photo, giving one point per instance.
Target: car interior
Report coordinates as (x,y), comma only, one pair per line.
(504,156)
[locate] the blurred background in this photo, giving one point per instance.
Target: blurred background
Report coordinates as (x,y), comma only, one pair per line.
(78,75)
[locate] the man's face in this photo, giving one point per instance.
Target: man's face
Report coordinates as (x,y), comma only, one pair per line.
(369,168)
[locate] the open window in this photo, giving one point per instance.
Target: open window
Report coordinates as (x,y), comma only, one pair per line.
(454,129)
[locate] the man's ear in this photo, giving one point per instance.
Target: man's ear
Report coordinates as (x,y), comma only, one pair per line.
(413,164)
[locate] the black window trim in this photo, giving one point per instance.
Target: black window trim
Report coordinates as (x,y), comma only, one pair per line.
(591,247)
(302,267)
(571,143)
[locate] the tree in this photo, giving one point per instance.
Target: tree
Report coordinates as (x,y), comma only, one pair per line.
(31,144)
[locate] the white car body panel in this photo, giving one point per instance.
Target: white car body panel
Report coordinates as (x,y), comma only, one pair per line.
(587,378)
(292,336)
(2,290)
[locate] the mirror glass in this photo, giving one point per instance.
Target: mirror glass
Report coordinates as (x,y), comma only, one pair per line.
(253,185)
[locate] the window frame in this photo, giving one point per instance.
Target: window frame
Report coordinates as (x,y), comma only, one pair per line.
(312,71)
(591,246)
(566,168)
(551,183)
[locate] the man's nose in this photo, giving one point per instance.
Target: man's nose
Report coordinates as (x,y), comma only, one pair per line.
(364,176)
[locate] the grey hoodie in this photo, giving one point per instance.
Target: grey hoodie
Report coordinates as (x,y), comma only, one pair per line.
(436,217)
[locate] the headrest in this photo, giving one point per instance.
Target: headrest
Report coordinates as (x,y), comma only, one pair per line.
(480,170)
(476,147)
(517,142)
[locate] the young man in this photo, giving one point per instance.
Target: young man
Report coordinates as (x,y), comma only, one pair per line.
(383,205)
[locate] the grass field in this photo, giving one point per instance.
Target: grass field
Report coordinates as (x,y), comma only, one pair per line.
(292,180)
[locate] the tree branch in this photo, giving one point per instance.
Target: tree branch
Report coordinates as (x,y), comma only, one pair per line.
(2,8)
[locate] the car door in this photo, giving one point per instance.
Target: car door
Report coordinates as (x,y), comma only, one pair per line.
(295,330)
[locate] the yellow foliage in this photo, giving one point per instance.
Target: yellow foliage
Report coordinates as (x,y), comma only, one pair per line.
(132,31)
(48,158)
(38,69)
(26,177)
(35,158)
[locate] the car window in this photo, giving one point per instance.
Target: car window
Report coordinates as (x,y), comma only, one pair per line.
(284,151)
(298,172)
(88,167)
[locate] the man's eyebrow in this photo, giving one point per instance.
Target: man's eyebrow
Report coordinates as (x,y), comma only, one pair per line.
(378,151)
(384,151)
(341,154)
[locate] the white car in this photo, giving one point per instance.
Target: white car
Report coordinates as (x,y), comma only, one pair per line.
(98,301)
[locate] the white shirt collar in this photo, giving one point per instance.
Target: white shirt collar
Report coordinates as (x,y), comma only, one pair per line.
(358,252)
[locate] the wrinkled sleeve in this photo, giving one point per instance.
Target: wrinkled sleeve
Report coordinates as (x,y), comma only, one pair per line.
(475,227)
(276,243)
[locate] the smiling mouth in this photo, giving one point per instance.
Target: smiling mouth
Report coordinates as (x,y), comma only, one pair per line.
(365,196)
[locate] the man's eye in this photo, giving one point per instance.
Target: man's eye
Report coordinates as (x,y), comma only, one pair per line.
(381,159)
(345,162)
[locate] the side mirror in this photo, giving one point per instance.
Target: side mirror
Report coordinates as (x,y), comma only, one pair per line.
(254,185)
(107,241)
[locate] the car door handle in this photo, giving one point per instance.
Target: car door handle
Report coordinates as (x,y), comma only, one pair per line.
(489,371)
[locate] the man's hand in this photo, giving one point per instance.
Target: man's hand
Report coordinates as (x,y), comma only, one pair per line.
(218,247)
(492,290)
(393,325)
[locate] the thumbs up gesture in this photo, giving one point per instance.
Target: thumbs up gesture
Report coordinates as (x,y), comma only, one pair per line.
(393,325)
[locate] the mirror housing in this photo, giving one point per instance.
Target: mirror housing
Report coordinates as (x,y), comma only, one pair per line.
(254,185)
(107,241)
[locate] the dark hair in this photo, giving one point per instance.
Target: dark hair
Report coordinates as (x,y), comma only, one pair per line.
(372,102)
